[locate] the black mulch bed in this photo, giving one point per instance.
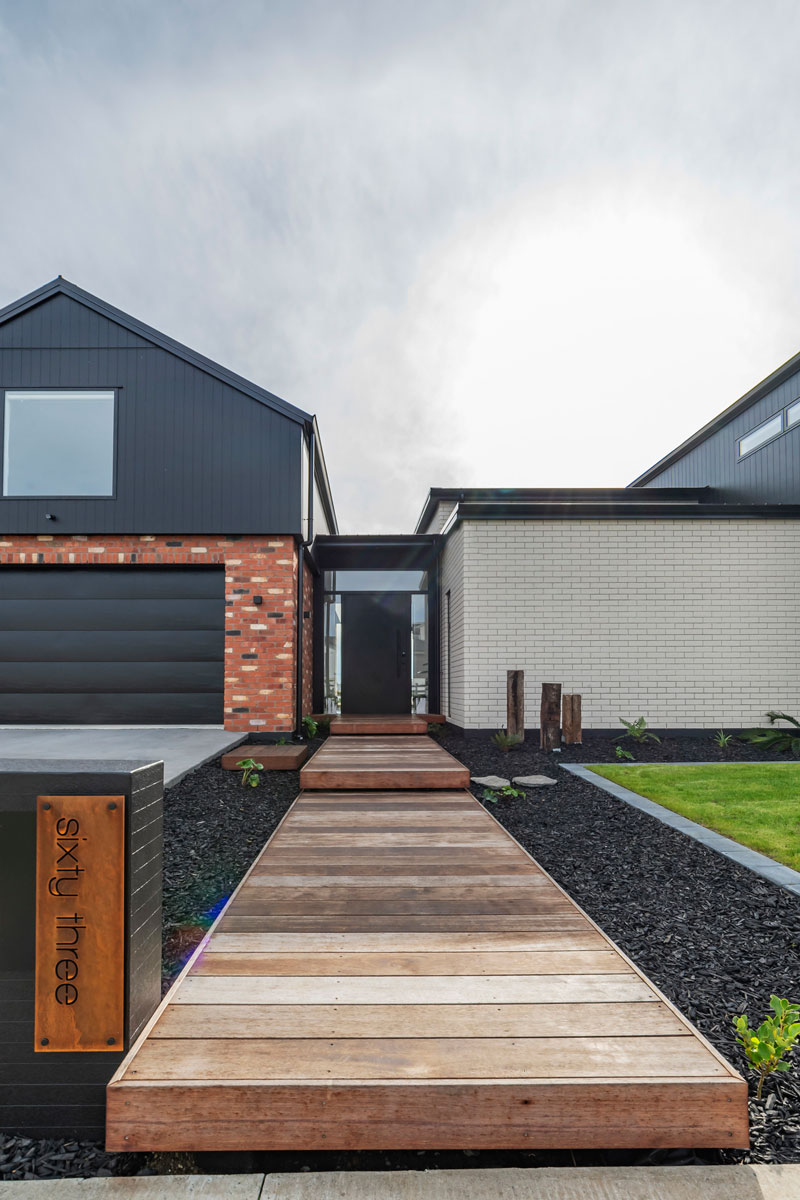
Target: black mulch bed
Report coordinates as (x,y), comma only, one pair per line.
(213,829)
(714,937)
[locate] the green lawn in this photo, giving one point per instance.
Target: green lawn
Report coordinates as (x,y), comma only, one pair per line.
(757,804)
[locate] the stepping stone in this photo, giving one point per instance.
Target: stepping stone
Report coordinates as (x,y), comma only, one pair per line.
(490,781)
(270,758)
(534,780)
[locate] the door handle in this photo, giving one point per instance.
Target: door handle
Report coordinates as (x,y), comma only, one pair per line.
(401,653)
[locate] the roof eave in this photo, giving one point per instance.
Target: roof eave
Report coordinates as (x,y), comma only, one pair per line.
(63,286)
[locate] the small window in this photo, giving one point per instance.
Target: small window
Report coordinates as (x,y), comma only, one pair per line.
(764,433)
(793,414)
(58,443)
(376,581)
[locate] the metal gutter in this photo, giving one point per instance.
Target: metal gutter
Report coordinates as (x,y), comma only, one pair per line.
(301,552)
(521,496)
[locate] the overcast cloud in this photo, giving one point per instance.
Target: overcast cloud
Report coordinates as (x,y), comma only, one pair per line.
(489,244)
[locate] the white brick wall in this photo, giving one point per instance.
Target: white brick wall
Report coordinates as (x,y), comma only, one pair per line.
(439,518)
(690,623)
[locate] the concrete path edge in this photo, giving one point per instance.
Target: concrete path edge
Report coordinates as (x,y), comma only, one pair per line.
(543,1183)
(761,864)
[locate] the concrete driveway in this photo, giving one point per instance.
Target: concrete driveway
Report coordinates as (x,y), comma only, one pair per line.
(182,748)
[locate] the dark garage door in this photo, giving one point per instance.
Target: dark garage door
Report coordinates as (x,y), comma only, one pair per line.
(112,646)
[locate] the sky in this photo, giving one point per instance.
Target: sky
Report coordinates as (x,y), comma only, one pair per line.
(495,244)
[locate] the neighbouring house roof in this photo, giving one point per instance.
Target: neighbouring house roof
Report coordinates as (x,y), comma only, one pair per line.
(521,503)
(779,376)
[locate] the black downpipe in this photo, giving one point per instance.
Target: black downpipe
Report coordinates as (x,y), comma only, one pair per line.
(300,564)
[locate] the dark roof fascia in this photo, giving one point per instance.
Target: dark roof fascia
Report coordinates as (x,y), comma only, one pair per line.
(513,497)
(377,539)
(779,376)
(63,286)
(375,551)
(620,511)
(323,480)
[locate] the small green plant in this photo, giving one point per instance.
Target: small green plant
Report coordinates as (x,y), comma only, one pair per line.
(251,772)
(281,741)
(786,740)
(766,1048)
(310,727)
(506,741)
(637,730)
(623,754)
(508,792)
(723,739)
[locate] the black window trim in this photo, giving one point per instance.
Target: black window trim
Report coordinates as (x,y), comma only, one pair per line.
(115,389)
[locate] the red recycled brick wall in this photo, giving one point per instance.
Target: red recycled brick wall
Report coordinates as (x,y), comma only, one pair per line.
(260,675)
(308,640)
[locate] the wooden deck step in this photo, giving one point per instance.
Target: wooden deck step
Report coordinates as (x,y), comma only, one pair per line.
(405,763)
(270,758)
(396,972)
(378,726)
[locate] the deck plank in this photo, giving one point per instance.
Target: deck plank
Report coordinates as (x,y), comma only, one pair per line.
(424,1058)
(575,962)
(253,1021)
(396,971)
(405,763)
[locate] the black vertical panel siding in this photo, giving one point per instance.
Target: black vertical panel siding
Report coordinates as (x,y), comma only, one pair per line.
(63,1095)
(194,454)
(770,475)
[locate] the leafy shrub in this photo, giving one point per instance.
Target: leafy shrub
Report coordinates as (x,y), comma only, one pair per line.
(251,772)
(510,793)
(765,1048)
(623,754)
(786,740)
(637,730)
(506,741)
(310,727)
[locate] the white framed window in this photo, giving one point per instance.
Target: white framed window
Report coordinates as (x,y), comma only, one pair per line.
(58,442)
(793,414)
(758,437)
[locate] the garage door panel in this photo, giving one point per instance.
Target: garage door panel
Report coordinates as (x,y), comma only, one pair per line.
(108,677)
(140,645)
(136,708)
(121,583)
(118,615)
(131,645)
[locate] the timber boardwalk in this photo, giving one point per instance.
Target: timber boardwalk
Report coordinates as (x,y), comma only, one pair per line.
(396,971)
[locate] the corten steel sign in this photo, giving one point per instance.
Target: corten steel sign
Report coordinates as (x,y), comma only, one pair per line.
(80,923)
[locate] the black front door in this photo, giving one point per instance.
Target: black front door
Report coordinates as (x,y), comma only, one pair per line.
(376,661)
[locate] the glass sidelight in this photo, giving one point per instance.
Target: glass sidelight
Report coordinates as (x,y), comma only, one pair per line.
(419,653)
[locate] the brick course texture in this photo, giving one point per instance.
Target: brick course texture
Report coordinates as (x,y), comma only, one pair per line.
(689,623)
(260,673)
